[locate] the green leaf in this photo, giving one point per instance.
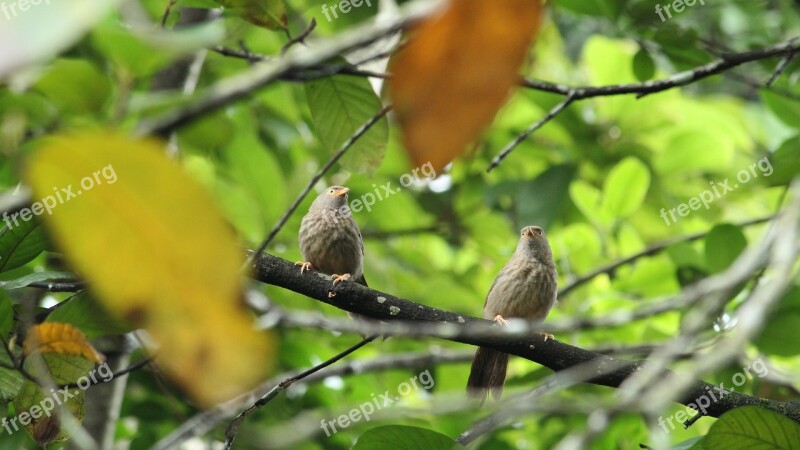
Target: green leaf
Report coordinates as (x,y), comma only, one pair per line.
(37,277)
(10,380)
(625,188)
(399,437)
(678,43)
(587,198)
(20,241)
(45,428)
(643,65)
(84,313)
(785,162)
(688,275)
(6,314)
(141,51)
(541,200)
(594,8)
(339,106)
(685,254)
(694,151)
(256,170)
(785,109)
(724,243)
(780,336)
(269,14)
(75,86)
(695,443)
(753,428)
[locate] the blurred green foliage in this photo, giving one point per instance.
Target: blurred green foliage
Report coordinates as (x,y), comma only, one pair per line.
(597,177)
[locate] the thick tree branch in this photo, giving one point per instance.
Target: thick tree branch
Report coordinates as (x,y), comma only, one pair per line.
(553,354)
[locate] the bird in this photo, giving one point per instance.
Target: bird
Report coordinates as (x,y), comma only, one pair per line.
(524,288)
(330,239)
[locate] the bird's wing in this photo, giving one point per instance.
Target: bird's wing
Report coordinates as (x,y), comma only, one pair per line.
(490,291)
(360,239)
(361,279)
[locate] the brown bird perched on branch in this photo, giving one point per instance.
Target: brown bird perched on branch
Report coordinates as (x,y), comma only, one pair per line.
(524,288)
(330,239)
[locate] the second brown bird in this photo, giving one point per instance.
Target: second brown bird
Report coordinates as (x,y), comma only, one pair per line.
(525,288)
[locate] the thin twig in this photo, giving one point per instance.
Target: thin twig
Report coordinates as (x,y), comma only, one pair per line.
(123,372)
(726,62)
(683,78)
(18,363)
(167,11)
(312,73)
(203,422)
(649,251)
(233,427)
(300,38)
(241,85)
(59,286)
(779,251)
(781,67)
(556,110)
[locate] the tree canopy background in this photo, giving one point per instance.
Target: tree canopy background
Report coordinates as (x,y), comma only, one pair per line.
(656,143)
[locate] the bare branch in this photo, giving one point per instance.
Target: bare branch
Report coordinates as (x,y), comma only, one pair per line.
(205,421)
(239,86)
(575,93)
(649,251)
(233,427)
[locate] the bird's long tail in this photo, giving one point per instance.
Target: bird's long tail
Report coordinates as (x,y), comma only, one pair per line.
(488,373)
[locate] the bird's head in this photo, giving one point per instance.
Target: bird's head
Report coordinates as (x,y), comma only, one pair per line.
(333,197)
(534,242)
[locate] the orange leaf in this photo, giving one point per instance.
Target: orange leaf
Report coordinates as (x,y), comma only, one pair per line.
(60,338)
(457,71)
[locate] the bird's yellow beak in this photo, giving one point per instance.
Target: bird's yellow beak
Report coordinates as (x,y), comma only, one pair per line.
(341,192)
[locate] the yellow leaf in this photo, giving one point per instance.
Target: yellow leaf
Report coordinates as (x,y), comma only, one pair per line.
(456,72)
(264,13)
(60,338)
(152,245)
